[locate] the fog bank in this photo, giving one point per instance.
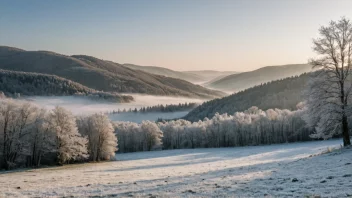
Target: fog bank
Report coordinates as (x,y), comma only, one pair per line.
(84,106)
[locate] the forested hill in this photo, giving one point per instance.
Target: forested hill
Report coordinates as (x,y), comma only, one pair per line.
(283,94)
(99,74)
(13,83)
(245,80)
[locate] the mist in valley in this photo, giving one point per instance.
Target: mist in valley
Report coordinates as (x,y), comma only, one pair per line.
(84,106)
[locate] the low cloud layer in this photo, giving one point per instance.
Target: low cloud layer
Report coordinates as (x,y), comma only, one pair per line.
(84,106)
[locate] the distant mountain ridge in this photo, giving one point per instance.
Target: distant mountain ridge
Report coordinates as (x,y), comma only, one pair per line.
(166,72)
(283,94)
(99,74)
(244,80)
(197,77)
(211,75)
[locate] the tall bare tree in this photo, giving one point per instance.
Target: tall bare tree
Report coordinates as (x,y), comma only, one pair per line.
(329,92)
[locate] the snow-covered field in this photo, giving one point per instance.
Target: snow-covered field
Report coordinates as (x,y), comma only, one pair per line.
(277,170)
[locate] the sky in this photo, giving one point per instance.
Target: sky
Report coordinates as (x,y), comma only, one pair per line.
(227,35)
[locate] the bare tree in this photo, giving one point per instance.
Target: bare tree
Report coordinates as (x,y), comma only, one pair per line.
(329,91)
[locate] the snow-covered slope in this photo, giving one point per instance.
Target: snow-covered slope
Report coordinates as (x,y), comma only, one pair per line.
(276,170)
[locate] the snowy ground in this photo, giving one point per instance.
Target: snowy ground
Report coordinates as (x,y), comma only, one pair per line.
(225,172)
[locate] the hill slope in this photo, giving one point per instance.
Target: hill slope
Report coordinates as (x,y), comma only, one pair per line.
(29,84)
(282,94)
(99,74)
(241,81)
(211,75)
(167,72)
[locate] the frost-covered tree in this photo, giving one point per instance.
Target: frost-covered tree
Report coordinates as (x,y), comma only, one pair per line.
(24,134)
(152,135)
(328,101)
(138,137)
(102,141)
(16,119)
(30,135)
(42,139)
(70,145)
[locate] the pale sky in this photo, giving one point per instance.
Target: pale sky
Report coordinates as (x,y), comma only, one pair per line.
(237,35)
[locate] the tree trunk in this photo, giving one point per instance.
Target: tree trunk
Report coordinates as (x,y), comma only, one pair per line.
(345,133)
(4,151)
(39,159)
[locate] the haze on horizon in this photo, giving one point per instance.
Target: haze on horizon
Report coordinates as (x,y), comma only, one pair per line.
(181,35)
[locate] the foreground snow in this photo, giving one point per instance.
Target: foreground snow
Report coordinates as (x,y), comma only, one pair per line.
(248,171)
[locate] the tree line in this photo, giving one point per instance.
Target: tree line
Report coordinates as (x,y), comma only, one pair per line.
(158,108)
(251,127)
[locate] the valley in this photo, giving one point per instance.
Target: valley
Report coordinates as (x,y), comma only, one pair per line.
(175,99)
